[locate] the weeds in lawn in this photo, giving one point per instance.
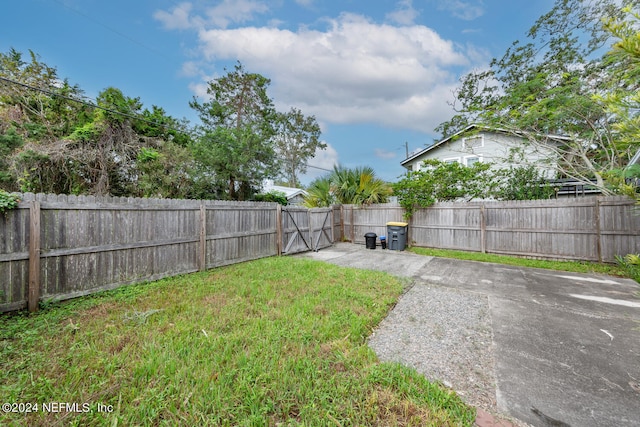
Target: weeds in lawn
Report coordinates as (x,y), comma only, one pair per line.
(140,317)
(278,341)
(631,264)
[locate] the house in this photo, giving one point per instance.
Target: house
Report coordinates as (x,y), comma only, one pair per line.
(481,144)
(295,196)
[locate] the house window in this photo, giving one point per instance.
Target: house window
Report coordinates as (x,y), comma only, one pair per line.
(472,142)
(470,160)
(451,160)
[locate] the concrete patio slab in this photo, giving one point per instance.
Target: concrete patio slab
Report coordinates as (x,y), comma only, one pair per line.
(566,345)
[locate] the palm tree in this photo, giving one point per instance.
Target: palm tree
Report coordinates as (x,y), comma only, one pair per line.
(319,193)
(356,186)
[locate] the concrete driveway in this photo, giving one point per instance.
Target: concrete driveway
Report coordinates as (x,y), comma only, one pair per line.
(567,344)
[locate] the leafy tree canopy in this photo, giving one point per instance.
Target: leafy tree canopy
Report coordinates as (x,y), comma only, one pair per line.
(548,85)
(52,140)
(297,139)
(237,130)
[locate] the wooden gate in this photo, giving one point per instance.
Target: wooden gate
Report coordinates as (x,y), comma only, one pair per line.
(306,229)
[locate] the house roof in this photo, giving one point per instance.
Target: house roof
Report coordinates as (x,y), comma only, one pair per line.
(417,154)
(437,144)
(289,192)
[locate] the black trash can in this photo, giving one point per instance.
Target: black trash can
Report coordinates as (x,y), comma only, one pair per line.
(397,235)
(383,242)
(370,240)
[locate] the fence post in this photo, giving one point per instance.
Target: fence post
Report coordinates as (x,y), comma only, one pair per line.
(279,229)
(34,256)
(342,235)
(483,229)
(202,246)
(333,224)
(598,231)
(309,218)
(353,228)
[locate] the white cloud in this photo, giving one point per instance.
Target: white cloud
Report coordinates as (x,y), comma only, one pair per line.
(405,14)
(190,69)
(199,89)
(352,71)
(220,16)
(384,154)
(177,19)
(465,10)
(234,11)
(305,3)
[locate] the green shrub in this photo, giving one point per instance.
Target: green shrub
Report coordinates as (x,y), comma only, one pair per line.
(8,201)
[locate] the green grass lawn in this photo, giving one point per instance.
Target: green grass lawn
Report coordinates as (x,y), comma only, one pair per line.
(572,266)
(279,341)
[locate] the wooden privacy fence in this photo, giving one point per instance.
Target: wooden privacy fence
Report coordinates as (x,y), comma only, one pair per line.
(583,228)
(57,246)
(66,246)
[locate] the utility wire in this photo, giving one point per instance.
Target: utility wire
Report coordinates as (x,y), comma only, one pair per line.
(132,40)
(87,103)
(318,167)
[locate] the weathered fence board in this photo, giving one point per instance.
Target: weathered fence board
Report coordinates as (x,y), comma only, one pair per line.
(584,228)
(240,233)
(563,228)
(306,229)
(321,228)
(447,228)
(295,230)
(360,220)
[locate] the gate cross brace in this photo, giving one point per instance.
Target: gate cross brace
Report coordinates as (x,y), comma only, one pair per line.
(298,232)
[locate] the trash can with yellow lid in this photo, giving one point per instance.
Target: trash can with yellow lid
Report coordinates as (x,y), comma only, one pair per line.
(397,235)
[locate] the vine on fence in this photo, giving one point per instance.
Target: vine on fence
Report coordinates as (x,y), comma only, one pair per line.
(8,201)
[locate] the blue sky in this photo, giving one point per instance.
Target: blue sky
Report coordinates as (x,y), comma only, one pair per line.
(376,74)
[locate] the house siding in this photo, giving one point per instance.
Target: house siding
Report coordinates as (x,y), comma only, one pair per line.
(496,148)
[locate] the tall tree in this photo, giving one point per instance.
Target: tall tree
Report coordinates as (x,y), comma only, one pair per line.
(546,86)
(237,130)
(297,139)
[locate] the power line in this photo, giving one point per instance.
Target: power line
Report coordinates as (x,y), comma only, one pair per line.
(132,40)
(318,167)
(88,104)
